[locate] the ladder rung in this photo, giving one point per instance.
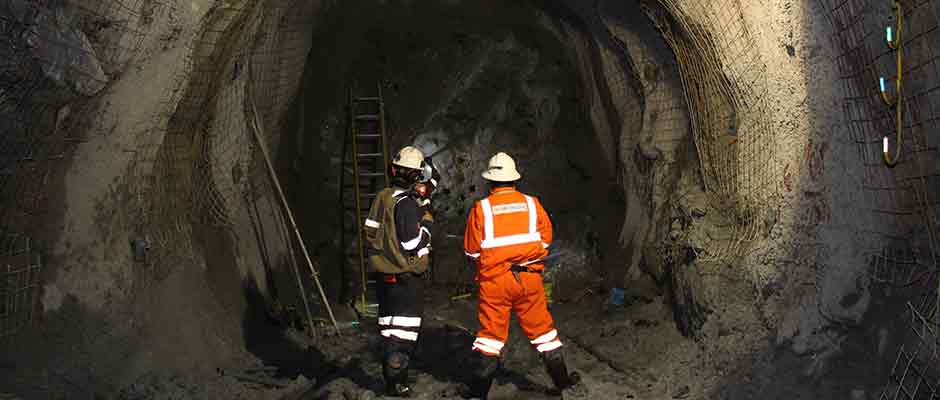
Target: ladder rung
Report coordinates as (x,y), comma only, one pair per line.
(371,174)
(368,117)
(364,99)
(369,136)
(370,155)
(367,195)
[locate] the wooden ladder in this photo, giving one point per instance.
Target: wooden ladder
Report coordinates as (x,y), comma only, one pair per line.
(365,162)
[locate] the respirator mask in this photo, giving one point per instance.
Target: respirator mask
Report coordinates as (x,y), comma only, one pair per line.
(426,181)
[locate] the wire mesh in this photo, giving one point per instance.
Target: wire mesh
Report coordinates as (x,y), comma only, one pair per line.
(19,284)
(54,56)
(724,81)
(206,157)
(904,201)
(54,53)
(916,371)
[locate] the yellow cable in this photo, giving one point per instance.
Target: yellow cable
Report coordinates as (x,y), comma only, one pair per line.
(898,45)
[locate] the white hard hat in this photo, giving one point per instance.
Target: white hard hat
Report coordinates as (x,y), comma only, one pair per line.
(501,168)
(409,157)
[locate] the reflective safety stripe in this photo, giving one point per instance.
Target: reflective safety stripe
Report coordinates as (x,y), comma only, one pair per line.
(486,349)
(548,337)
(545,347)
(511,240)
(532,216)
(545,245)
(406,322)
(474,255)
(490,241)
(496,344)
(372,224)
(488,346)
(401,334)
(423,252)
(487,220)
(413,243)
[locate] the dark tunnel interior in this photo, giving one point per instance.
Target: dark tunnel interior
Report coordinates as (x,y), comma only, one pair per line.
(460,83)
(178,182)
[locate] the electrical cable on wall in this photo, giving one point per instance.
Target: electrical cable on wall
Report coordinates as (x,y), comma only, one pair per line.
(894,43)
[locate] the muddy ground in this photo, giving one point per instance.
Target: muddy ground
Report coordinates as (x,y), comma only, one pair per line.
(623,352)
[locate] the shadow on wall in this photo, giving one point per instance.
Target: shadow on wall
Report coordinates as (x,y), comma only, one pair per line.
(267,341)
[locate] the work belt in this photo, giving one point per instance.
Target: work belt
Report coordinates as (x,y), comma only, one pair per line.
(515,268)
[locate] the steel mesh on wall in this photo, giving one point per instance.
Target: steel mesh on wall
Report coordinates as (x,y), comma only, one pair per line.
(724,81)
(207,157)
(54,56)
(902,202)
(19,284)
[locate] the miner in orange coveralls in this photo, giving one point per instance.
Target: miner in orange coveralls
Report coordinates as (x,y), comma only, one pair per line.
(507,235)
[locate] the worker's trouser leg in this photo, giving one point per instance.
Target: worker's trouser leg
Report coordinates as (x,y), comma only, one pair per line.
(525,297)
(401,305)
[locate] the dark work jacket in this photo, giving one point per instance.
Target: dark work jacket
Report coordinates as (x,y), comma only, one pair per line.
(398,233)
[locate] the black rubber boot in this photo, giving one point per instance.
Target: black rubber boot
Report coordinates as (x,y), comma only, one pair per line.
(555,364)
(481,380)
(395,372)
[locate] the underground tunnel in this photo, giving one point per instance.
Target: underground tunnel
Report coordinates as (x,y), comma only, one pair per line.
(180,182)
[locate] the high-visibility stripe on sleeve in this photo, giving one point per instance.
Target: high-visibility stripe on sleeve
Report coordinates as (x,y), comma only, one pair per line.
(423,252)
(546,347)
(372,223)
(472,255)
(548,337)
(401,334)
(545,245)
(413,243)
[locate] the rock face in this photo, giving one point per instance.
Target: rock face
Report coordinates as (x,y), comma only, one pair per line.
(50,40)
(65,54)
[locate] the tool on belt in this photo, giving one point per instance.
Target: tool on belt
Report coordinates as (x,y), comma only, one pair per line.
(523,267)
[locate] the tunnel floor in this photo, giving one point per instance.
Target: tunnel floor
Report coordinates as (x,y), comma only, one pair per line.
(622,352)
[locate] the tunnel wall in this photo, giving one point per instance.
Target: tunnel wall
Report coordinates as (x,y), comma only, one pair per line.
(902,203)
(159,153)
(807,264)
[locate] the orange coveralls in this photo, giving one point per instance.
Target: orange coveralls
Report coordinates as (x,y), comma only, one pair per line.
(506,228)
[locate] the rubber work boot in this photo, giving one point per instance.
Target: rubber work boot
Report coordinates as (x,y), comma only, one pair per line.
(555,365)
(395,372)
(482,378)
